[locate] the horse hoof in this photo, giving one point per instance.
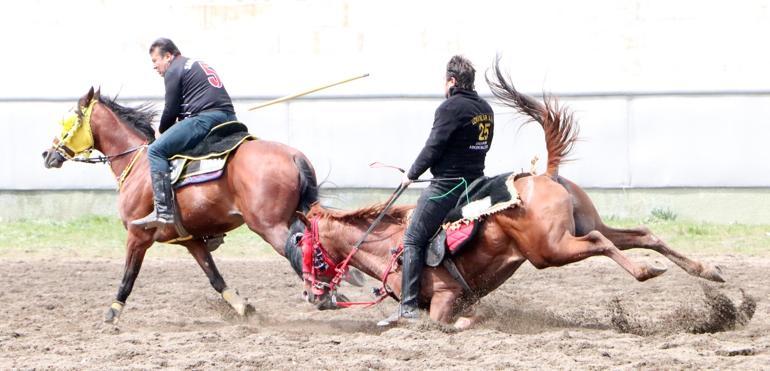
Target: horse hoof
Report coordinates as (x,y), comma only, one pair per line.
(653,271)
(713,273)
(235,300)
(113,313)
(240,309)
(463,323)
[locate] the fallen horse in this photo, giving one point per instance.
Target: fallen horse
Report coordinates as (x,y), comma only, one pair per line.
(541,218)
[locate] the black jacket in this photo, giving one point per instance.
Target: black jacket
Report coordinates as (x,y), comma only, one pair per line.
(192,87)
(460,138)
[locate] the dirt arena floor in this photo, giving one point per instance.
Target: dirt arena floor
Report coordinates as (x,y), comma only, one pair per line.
(590,315)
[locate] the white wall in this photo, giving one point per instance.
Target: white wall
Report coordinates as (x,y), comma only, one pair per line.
(54,49)
(640,142)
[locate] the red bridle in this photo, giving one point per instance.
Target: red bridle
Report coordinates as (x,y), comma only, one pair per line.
(316,263)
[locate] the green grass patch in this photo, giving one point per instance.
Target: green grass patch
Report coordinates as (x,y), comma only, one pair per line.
(661,214)
(96,236)
(705,238)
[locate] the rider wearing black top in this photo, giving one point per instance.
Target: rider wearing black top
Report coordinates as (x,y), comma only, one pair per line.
(192,87)
(460,138)
(456,148)
(196,97)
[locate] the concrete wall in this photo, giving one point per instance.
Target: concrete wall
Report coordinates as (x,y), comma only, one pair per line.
(640,142)
(56,50)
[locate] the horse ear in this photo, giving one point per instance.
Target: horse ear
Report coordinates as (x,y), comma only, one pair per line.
(87,98)
(98,93)
(84,100)
(302,218)
(90,94)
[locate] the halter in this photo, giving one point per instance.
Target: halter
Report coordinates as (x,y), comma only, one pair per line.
(316,263)
(76,142)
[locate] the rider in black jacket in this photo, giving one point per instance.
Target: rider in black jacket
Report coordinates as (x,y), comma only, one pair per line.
(197,98)
(456,148)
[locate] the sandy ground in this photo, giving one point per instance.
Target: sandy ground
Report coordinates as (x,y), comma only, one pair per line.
(559,318)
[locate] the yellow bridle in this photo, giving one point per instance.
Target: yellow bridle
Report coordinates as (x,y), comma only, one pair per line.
(76,138)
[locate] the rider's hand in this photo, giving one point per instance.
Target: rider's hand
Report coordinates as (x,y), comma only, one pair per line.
(405,181)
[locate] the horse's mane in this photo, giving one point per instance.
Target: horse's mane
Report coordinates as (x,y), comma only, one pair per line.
(395,215)
(139,118)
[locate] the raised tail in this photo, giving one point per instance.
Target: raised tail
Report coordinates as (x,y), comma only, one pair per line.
(308,195)
(561,131)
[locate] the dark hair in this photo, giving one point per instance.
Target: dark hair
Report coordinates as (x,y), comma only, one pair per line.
(164,46)
(462,70)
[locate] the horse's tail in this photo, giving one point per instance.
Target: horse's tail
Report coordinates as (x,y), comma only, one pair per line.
(308,195)
(308,185)
(561,131)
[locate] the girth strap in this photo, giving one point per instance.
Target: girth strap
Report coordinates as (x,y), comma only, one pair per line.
(450,266)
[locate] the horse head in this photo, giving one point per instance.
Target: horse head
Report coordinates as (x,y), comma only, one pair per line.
(76,137)
(316,290)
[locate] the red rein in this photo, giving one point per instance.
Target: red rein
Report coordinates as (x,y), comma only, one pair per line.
(317,263)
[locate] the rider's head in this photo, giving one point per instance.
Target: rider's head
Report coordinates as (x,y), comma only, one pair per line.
(162,52)
(459,73)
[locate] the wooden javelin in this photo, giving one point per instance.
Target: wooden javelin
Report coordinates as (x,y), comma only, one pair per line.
(292,96)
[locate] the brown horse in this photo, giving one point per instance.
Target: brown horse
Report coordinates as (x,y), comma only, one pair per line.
(555,224)
(263,185)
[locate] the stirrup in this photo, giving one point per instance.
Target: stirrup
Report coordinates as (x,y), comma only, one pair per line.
(152,220)
(400,317)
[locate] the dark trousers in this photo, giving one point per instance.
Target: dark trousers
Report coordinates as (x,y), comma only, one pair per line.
(426,219)
(182,136)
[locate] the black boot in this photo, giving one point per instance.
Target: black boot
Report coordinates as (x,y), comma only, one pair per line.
(163,196)
(411,274)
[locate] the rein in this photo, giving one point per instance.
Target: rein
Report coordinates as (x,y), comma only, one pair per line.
(127,170)
(314,254)
(108,158)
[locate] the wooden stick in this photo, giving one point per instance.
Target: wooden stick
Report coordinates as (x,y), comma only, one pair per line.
(292,96)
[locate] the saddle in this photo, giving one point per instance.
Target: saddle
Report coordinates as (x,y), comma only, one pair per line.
(461,225)
(206,161)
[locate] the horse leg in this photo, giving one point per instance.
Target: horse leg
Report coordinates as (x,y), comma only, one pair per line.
(275,235)
(201,254)
(442,304)
(136,247)
(643,238)
(588,219)
(571,249)
(468,317)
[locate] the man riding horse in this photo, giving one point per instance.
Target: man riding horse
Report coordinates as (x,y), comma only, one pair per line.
(195,96)
(456,148)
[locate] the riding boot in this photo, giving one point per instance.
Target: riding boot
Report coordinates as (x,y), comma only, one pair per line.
(411,273)
(163,195)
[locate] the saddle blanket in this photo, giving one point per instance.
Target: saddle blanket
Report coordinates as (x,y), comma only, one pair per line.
(206,161)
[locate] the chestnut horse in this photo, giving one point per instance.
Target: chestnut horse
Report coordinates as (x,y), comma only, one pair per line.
(555,224)
(263,185)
